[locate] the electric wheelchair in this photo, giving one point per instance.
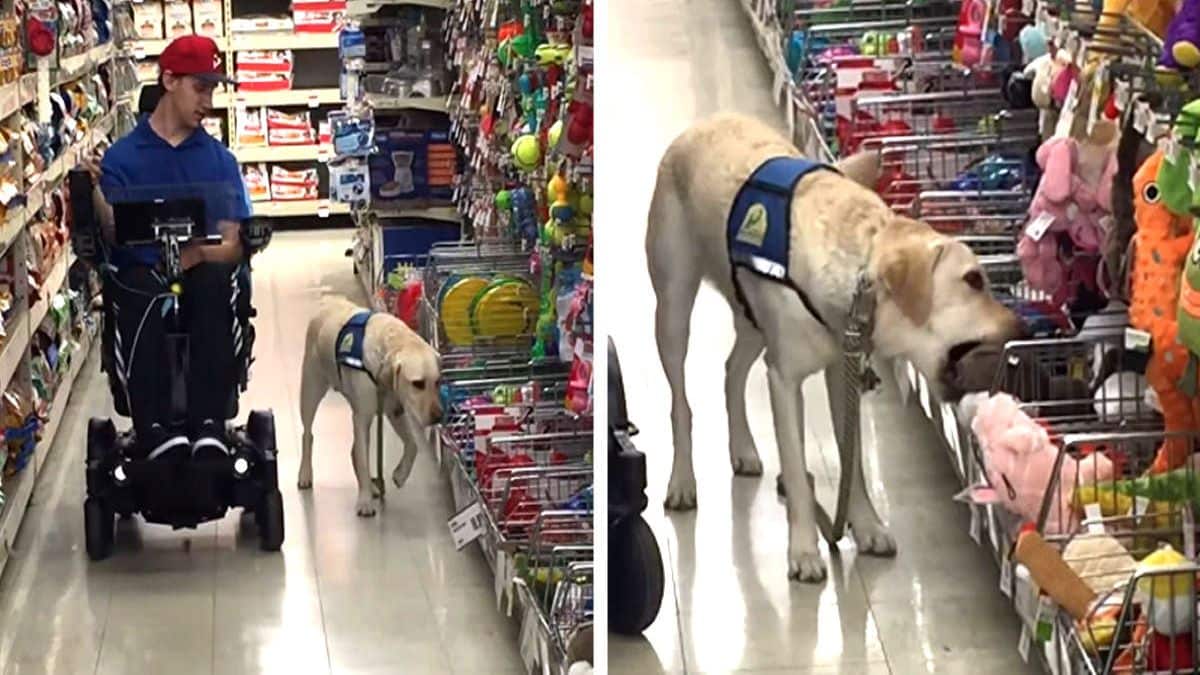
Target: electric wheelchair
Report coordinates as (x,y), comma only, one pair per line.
(176,349)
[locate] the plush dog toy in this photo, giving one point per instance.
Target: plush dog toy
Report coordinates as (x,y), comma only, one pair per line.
(1073,200)
(1019,458)
(1160,246)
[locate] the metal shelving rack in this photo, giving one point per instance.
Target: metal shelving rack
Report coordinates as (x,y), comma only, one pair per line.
(30,96)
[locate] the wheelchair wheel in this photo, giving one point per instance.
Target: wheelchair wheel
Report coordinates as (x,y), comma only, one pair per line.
(269,516)
(98,522)
(635,577)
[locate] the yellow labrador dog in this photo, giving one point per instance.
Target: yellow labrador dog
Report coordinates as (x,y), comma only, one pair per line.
(374,360)
(933,306)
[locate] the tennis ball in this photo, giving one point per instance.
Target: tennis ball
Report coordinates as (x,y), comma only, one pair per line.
(526,152)
(553,134)
(503,200)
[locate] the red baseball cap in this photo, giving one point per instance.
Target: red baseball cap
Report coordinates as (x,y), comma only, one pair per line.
(194,55)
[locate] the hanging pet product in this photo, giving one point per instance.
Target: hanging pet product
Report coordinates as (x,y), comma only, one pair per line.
(455,302)
(504,311)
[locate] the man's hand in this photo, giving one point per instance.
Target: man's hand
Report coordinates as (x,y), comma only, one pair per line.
(228,251)
(91,163)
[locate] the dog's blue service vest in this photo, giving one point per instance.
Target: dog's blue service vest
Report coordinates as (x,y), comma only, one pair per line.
(349,351)
(760,225)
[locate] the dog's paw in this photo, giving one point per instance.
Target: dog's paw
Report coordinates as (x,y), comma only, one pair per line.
(874,540)
(746,463)
(681,495)
(366,508)
(807,567)
(304,481)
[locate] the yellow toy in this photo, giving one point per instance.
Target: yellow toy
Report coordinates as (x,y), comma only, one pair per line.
(1154,15)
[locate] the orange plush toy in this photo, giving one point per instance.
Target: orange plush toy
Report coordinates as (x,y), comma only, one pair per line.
(1161,244)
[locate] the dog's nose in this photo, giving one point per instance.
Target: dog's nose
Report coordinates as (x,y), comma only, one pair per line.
(435,415)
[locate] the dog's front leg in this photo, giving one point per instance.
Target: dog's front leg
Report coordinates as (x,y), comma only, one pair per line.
(414,442)
(870,533)
(787,405)
(360,455)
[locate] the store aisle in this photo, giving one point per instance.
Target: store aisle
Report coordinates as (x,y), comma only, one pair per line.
(729,605)
(347,595)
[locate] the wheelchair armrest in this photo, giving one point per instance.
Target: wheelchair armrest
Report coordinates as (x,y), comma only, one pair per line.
(256,235)
(86,234)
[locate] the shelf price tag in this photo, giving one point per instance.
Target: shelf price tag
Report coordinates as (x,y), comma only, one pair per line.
(467,525)
(323,209)
(313,101)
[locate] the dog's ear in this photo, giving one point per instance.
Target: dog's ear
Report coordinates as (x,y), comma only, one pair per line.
(863,167)
(906,273)
(396,370)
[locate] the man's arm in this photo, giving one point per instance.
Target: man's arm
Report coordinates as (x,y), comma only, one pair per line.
(230,250)
(104,212)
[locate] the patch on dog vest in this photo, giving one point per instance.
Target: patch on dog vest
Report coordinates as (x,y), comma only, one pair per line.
(350,341)
(760,223)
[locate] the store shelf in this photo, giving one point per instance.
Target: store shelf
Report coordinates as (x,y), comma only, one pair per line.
(309,97)
(19,488)
(307,207)
(283,153)
(270,41)
(74,67)
(447,213)
(55,278)
(434,104)
(17,95)
(366,7)
(62,396)
(143,48)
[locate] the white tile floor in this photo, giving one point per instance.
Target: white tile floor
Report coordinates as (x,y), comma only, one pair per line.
(346,595)
(729,605)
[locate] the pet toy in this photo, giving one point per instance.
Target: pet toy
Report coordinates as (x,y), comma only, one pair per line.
(1181,46)
(526,152)
(1160,246)
(1019,459)
(1168,600)
(1073,198)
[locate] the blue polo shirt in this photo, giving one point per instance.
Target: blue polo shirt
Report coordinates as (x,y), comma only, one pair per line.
(141,166)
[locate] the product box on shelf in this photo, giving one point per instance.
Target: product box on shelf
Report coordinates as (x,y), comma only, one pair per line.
(208,18)
(318,21)
(293,185)
(264,61)
(148,19)
(289,128)
(249,129)
(252,81)
(257,182)
(413,165)
(177,17)
(261,24)
(213,126)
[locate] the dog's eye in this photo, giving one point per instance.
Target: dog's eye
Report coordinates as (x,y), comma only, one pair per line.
(974,279)
(419,384)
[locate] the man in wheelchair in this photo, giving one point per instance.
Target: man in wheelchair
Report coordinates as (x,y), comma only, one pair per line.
(165,218)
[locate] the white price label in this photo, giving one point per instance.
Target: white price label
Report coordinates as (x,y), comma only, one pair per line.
(1094,518)
(1170,147)
(1038,227)
(313,101)
(323,209)
(1024,644)
(1189,534)
(467,525)
(502,577)
(1137,340)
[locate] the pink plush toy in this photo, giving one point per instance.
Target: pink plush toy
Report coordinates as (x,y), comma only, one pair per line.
(1070,200)
(1019,459)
